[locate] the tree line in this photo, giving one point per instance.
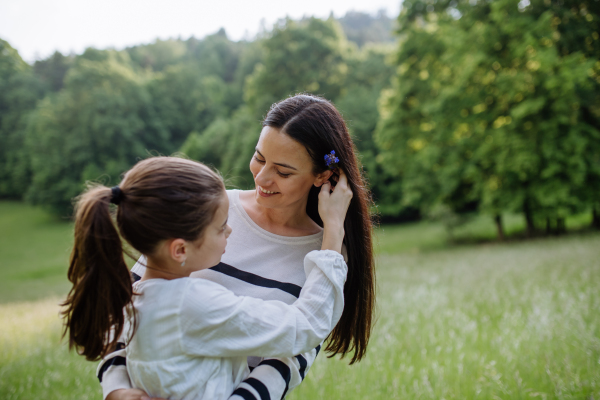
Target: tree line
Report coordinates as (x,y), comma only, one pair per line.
(495,107)
(461,106)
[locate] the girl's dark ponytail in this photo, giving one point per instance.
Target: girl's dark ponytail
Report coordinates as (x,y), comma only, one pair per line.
(101,281)
(160,198)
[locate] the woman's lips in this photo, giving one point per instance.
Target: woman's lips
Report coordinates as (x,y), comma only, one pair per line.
(263,194)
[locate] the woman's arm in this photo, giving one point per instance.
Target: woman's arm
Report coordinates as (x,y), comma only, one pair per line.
(276,377)
(112,370)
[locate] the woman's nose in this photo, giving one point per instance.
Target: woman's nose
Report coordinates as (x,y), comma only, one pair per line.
(263,178)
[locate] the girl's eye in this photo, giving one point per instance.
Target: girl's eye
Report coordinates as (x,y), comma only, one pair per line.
(283,175)
(259,160)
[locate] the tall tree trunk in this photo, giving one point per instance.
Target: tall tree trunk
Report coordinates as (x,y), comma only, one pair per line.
(530,228)
(499,227)
(595,218)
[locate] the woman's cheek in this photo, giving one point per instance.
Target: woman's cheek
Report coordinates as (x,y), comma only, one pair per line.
(254,167)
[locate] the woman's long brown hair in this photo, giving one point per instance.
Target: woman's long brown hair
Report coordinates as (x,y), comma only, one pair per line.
(163,198)
(316,124)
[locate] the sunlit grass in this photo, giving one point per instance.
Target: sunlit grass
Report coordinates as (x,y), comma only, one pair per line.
(34,364)
(518,320)
(510,321)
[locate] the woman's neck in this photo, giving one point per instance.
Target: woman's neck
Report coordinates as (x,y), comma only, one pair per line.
(287,221)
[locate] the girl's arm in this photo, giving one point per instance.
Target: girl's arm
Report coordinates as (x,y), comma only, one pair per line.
(239,326)
(333,206)
(217,323)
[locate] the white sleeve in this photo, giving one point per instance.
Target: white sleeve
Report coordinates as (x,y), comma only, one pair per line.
(217,323)
(112,371)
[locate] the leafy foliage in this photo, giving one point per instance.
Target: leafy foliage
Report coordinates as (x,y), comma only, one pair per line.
(20,91)
(496,111)
(299,56)
(99,125)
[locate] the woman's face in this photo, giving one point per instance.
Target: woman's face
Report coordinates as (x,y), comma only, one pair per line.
(282,170)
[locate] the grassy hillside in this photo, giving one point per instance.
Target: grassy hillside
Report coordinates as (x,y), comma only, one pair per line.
(517,320)
(34,253)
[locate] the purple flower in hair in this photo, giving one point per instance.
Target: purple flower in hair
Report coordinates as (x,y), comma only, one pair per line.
(331,160)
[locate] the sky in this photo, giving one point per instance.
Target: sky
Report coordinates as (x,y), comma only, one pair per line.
(36,28)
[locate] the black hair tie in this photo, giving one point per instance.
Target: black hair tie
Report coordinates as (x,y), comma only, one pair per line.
(117,195)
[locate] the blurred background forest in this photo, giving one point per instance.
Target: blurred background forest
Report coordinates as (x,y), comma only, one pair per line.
(456,107)
(481,118)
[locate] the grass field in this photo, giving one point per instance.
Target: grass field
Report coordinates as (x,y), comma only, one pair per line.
(518,320)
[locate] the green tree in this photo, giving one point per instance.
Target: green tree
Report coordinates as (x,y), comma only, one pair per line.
(99,125)
(158,55)
(228,145)
(299,56)
(370,72)
(53,69)
(496,111)
(186,100)
(362,28)
(20,90)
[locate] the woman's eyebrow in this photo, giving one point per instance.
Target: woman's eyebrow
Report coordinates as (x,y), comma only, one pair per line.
(280,164)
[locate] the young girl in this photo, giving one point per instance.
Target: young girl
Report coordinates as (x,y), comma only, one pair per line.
(189,337)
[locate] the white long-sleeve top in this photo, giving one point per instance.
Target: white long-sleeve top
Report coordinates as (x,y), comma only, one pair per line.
(193,335)
(258,264)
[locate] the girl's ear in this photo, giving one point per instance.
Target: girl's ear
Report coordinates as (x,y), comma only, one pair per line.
(322,178)
(178,250)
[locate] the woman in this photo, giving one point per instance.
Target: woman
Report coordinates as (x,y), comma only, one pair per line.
(274,227)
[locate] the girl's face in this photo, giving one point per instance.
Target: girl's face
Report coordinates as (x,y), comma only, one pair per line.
(213,242)
(282,170)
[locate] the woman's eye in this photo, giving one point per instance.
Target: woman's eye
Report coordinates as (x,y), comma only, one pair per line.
(259,160)
(283,175)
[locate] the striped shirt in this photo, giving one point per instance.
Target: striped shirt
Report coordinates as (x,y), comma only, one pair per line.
(260,264)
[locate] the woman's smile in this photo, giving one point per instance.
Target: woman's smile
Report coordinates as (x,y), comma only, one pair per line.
(265,193)
(282,169)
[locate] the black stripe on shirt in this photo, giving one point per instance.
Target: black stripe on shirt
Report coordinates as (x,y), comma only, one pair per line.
(257,280)
(243,393)
(283,370)
(260,388)
(318,349)
(118,360)
(303,363)
(135,277)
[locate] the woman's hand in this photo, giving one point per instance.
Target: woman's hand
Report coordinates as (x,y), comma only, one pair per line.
(129,394)
(333,206)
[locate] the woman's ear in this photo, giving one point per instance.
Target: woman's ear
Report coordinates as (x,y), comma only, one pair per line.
(322,178)
(178,250)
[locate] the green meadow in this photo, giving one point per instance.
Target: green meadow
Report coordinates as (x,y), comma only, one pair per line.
(513,320)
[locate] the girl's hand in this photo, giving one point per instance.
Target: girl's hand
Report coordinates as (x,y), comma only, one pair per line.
(333,206)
